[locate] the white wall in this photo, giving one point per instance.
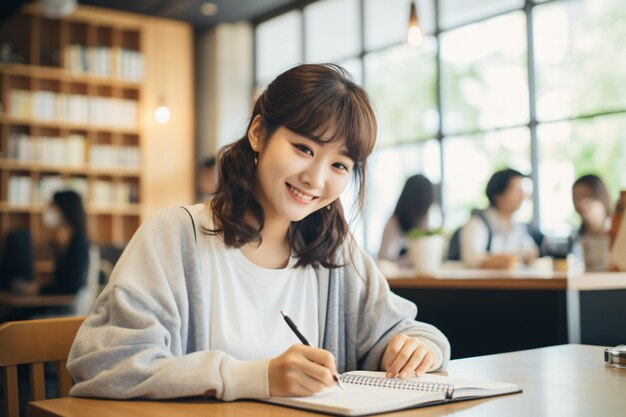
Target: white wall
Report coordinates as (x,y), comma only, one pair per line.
(224,72)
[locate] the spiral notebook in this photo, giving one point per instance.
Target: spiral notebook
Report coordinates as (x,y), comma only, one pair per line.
(372,393)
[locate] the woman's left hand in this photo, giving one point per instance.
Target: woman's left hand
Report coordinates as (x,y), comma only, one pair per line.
(407,356)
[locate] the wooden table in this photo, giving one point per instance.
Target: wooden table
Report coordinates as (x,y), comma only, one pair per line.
(11,300)
(563,381)
(22,307)
(486,311)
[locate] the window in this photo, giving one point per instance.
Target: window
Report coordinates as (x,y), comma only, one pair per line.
(332,30)
(278,45)
(456,12)
(469,162)
(401,81)
(580,58)
(484,77)
(471,115)
(388,169)
(571,149)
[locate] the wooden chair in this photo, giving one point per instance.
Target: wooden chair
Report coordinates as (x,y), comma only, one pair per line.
(34,342)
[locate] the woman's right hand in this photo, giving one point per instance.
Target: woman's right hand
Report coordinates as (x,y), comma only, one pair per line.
(300,371)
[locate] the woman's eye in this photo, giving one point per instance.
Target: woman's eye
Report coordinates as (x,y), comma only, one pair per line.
(342,166)
(305,149)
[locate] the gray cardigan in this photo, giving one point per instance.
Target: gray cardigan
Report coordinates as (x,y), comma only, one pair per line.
(147,335)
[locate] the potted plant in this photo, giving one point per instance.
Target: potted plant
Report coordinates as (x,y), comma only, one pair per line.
(425,249)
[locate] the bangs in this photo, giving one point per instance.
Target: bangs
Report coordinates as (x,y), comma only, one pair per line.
(338,116)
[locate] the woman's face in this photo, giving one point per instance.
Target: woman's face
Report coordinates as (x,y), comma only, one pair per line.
(587,205)
(297,175)
(52,217)
(512,198)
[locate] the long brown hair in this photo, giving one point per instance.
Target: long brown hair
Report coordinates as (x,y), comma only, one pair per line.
(312,101)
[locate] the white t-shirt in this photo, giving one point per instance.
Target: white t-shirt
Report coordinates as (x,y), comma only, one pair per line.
(246,300)
(393,241)
(511,238)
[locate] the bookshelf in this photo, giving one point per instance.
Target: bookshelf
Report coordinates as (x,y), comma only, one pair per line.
(75,111)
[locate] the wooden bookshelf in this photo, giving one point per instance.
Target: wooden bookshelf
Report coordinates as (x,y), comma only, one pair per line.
(76,96)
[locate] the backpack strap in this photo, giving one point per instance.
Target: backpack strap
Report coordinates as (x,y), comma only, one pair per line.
(481,215)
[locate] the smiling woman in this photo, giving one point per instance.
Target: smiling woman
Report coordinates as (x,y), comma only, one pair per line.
(328,122)
(193,306)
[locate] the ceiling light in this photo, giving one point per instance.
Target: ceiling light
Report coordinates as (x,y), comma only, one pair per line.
(414,36)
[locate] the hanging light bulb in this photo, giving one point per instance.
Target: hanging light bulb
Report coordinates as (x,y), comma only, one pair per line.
(162,113)
(415,36)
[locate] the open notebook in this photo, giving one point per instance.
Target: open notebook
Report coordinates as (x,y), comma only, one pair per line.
(371,393)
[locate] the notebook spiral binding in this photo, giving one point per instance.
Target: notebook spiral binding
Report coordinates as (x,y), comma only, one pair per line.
(397,383)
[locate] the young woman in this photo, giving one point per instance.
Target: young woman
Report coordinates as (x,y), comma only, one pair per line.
(193,305)
(592,203)
(66,218)
(411,212)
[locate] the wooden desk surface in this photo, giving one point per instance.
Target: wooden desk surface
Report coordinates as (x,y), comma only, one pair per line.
(563,381)
(11,300)
(523,279)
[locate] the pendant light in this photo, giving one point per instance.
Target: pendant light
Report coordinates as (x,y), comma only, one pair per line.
(414,36)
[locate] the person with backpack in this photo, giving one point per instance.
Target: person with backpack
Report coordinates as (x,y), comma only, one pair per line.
(491,239)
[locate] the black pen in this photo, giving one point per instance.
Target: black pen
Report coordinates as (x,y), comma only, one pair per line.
(293,327)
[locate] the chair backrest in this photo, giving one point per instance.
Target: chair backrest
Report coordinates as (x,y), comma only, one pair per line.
(88,293)
(33,343)
(454,246)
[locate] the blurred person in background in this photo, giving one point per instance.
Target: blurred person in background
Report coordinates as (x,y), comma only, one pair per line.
(67,220)
(411,212)
(592,203)
(491,239)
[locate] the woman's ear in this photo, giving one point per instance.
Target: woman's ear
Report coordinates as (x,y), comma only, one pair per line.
(256,134)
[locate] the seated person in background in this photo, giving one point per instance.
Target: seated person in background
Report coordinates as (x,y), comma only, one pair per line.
(17,259)
(592,203)
(411,213)
(207,179)
(491,239)
(67,219)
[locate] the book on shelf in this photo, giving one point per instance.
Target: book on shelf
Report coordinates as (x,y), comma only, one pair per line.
(74,108)
(372,393)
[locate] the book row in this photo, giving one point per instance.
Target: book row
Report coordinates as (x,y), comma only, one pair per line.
(70,151)
(24,191)
(104,61)
(74,108)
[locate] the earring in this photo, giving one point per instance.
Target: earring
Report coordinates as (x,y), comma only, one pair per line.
(256,161)
(328,207)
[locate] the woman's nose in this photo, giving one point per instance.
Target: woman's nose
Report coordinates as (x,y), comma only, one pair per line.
(313,177)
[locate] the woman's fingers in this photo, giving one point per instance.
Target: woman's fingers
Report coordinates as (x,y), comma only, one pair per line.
(301,370)
(406,356)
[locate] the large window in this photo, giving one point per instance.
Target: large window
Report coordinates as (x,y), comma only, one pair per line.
(581,58)
(388,168)
(468,102)
(332,30)
(401,81)
(484,75)
(469,162)
(278,45)
(573,148)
